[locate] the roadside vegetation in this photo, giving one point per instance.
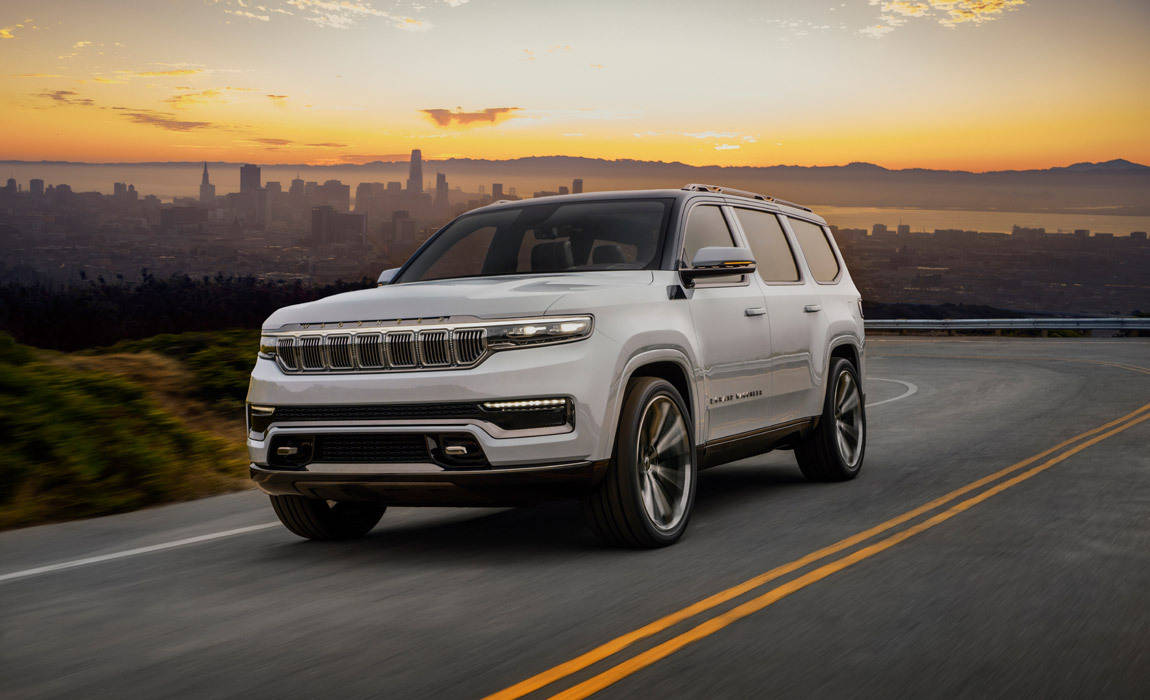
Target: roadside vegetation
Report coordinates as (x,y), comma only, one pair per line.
(121,428)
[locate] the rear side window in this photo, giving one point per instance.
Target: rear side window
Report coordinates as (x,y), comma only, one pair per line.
(817,250)
(773,256)
(706,227)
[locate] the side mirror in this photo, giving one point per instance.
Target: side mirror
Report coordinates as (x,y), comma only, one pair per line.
(386,276)
(717,261)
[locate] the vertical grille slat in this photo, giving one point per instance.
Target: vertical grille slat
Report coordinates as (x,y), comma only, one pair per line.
(311,352)
(470,344)
(339,352)
(401,349)
(286,351)
(434,348)
(369,350)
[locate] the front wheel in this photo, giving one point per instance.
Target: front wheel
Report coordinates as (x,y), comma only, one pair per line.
(834,450)
(645,498)
(316,519)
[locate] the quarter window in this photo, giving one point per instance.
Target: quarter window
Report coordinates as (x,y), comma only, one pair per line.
(816,249)
(773,256)
(706,227)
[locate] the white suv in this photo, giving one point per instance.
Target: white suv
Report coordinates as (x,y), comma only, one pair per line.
(604,345)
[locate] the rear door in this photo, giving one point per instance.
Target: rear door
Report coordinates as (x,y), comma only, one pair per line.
(732,332)
(788,292)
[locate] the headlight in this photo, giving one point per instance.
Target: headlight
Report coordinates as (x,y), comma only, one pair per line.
(268,345)
(538,332)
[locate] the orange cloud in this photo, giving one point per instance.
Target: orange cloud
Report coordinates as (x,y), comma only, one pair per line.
(491,115)
(184,99)
(68,97)
(164,120)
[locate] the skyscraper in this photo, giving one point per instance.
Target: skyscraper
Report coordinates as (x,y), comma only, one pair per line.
(207,189)
(496,191)
(415,172)
(577,185)
(441,192)
(36,187)
(249,178)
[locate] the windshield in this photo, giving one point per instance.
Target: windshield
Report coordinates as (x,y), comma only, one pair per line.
(619,234)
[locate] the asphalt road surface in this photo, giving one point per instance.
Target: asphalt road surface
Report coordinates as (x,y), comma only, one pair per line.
(997,543)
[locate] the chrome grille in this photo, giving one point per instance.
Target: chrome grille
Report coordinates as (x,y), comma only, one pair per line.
(286,351)
(470,344)
(311,352)
(401,349)
(339,352)
(435,348)
(382,350)
(369,350)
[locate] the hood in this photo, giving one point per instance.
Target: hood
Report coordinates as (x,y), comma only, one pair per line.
(481,297)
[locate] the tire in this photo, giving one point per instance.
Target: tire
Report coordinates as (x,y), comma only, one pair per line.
(626,509)
(830,453)
(314,519)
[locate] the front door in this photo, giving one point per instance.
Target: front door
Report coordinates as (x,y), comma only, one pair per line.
(733,334)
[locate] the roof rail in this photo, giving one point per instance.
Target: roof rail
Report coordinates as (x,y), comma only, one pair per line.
(718,189)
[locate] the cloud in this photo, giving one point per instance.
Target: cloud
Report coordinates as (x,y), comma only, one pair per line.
(491,115)
(80,44)
(710,134)
(410,24)
(948,13)
(326,144)
(68,97)
(272,142)
(455,3)
(9,32)
(184,99)
(41,75)
(249,15)
(597,66)
(727,146)
(277,100)
(164,120)
(167,73)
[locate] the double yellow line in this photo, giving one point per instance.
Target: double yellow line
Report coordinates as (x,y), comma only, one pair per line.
(1017,473)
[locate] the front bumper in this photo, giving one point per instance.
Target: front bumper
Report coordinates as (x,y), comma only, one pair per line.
(431,485)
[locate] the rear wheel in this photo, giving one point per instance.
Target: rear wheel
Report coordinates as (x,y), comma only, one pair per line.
(645,498)
(834,450)
(316,519)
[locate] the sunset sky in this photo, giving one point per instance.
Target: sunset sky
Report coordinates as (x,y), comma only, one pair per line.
(971,84)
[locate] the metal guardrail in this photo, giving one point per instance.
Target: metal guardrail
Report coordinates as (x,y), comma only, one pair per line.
(997,324)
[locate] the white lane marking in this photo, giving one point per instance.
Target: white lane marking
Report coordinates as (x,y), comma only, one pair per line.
(911,390)
(60,566)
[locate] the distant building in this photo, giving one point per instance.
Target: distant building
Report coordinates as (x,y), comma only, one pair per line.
(394,187)
(119,190)
(415,172)
(904,229)
(296,189)
(207,189)
(11,187)
(879,230)
(577,186)
(329,227)
(441,203)
(1138,236)
(36,187)
(249,178)
(496,191)
(333,193)
(563,189)
(181,219)
(274,188)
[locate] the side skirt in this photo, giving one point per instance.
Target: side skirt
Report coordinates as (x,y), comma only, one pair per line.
(755,442)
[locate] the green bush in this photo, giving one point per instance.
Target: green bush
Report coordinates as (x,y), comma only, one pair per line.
(79,443)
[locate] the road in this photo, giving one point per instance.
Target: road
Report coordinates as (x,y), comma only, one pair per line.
(1033,581)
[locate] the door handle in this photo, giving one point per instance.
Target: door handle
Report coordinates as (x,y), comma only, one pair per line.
(755,311)
(812,308)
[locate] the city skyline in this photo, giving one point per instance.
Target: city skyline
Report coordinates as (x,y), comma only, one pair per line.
(948,84)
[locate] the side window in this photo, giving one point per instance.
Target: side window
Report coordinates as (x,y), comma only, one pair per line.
(706,227)
(817,250)
(773,256)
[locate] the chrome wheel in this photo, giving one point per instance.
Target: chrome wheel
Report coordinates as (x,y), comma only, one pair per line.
(664,461)
(849,423)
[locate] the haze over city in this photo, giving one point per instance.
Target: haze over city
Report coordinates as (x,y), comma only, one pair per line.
(951,84)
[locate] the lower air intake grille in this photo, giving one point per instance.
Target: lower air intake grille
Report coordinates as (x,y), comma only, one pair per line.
(371,448)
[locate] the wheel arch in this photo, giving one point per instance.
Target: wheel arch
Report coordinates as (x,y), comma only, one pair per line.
(848,348)
(670,364)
